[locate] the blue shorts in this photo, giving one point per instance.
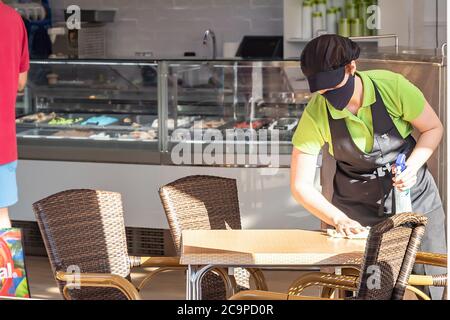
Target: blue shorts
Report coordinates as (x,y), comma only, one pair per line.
(8,184)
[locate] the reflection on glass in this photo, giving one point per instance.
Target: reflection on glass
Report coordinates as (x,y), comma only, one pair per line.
(237,103)
(91,102)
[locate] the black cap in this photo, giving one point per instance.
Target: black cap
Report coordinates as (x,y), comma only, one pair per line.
(324,59)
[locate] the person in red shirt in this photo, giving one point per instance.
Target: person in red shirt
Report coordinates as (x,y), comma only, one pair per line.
(14,65)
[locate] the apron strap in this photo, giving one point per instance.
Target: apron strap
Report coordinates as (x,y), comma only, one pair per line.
(382,122)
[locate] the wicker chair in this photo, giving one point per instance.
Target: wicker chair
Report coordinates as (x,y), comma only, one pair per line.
(348,280)
(207,202)
(84,232)
(388,261)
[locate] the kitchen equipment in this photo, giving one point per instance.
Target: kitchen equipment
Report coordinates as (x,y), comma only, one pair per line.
(94,16)
(210,34)
(338,13)
(355,27)
(307,11)
(321,6)
(37,19)
(331,21)
(87,42)
(32,11)
(318,24)
(351,11)
(344,27)
(362,9)
(258,47)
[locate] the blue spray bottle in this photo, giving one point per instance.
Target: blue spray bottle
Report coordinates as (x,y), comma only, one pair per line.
(402,198)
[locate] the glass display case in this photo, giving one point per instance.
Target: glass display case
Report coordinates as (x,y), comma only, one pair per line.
(225,113)
(232,113)
(100,111)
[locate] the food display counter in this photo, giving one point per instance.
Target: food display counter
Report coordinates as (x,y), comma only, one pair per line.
(90,111)
(111,111)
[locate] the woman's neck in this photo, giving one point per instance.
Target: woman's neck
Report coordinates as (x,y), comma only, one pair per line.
(358,95)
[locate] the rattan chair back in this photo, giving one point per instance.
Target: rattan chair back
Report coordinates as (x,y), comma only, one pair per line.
(203,203)
(389,257)
(199,203)
(84,230)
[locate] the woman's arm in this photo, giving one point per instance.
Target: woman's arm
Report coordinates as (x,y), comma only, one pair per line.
(303,169)
(23,77)
(431,132)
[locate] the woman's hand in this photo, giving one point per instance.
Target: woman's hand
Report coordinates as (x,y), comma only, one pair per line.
(303,169)
(406,180)
(347,226)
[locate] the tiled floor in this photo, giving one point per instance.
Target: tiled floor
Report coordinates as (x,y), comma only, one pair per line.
(166,286)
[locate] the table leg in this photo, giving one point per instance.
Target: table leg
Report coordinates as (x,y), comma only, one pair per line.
(190,274)
(193,283)
(194,277)
(197,281)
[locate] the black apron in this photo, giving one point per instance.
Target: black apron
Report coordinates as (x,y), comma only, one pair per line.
(363,182)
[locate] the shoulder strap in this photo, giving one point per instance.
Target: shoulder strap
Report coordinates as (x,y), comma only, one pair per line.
(381,120)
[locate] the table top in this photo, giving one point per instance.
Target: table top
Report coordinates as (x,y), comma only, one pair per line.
(268,248)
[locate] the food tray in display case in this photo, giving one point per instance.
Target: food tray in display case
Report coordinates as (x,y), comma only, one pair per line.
(84,120)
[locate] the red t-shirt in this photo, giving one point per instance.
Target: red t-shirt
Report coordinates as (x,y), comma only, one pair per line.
(14,59)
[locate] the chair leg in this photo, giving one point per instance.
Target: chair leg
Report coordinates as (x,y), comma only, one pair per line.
(348,283)
(154,273)
(259,278)
(228,280)
(419,294)
(327,293)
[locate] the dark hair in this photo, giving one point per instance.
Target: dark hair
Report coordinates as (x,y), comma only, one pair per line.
(328,52)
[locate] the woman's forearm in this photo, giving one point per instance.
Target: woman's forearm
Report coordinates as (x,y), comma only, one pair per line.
(313,201)
(431,132)
(303,170)
(426,145)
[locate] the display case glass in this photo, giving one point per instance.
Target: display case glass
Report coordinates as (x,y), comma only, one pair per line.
(90,111)
(230,112)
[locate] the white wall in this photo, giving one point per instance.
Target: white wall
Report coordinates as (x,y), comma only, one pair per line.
(425,15)
(171,27)
(414,21)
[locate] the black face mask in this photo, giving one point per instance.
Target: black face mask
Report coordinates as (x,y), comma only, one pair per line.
(339,98)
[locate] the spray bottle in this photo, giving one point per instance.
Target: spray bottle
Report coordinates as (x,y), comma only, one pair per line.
(402,198)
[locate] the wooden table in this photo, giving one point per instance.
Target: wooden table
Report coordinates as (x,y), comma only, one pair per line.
(203,250)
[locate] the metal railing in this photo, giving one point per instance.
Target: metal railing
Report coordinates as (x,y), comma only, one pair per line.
(384,36)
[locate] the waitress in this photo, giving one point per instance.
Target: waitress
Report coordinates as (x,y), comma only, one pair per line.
(366,118)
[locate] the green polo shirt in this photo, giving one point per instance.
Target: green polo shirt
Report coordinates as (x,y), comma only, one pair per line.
(404,103)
